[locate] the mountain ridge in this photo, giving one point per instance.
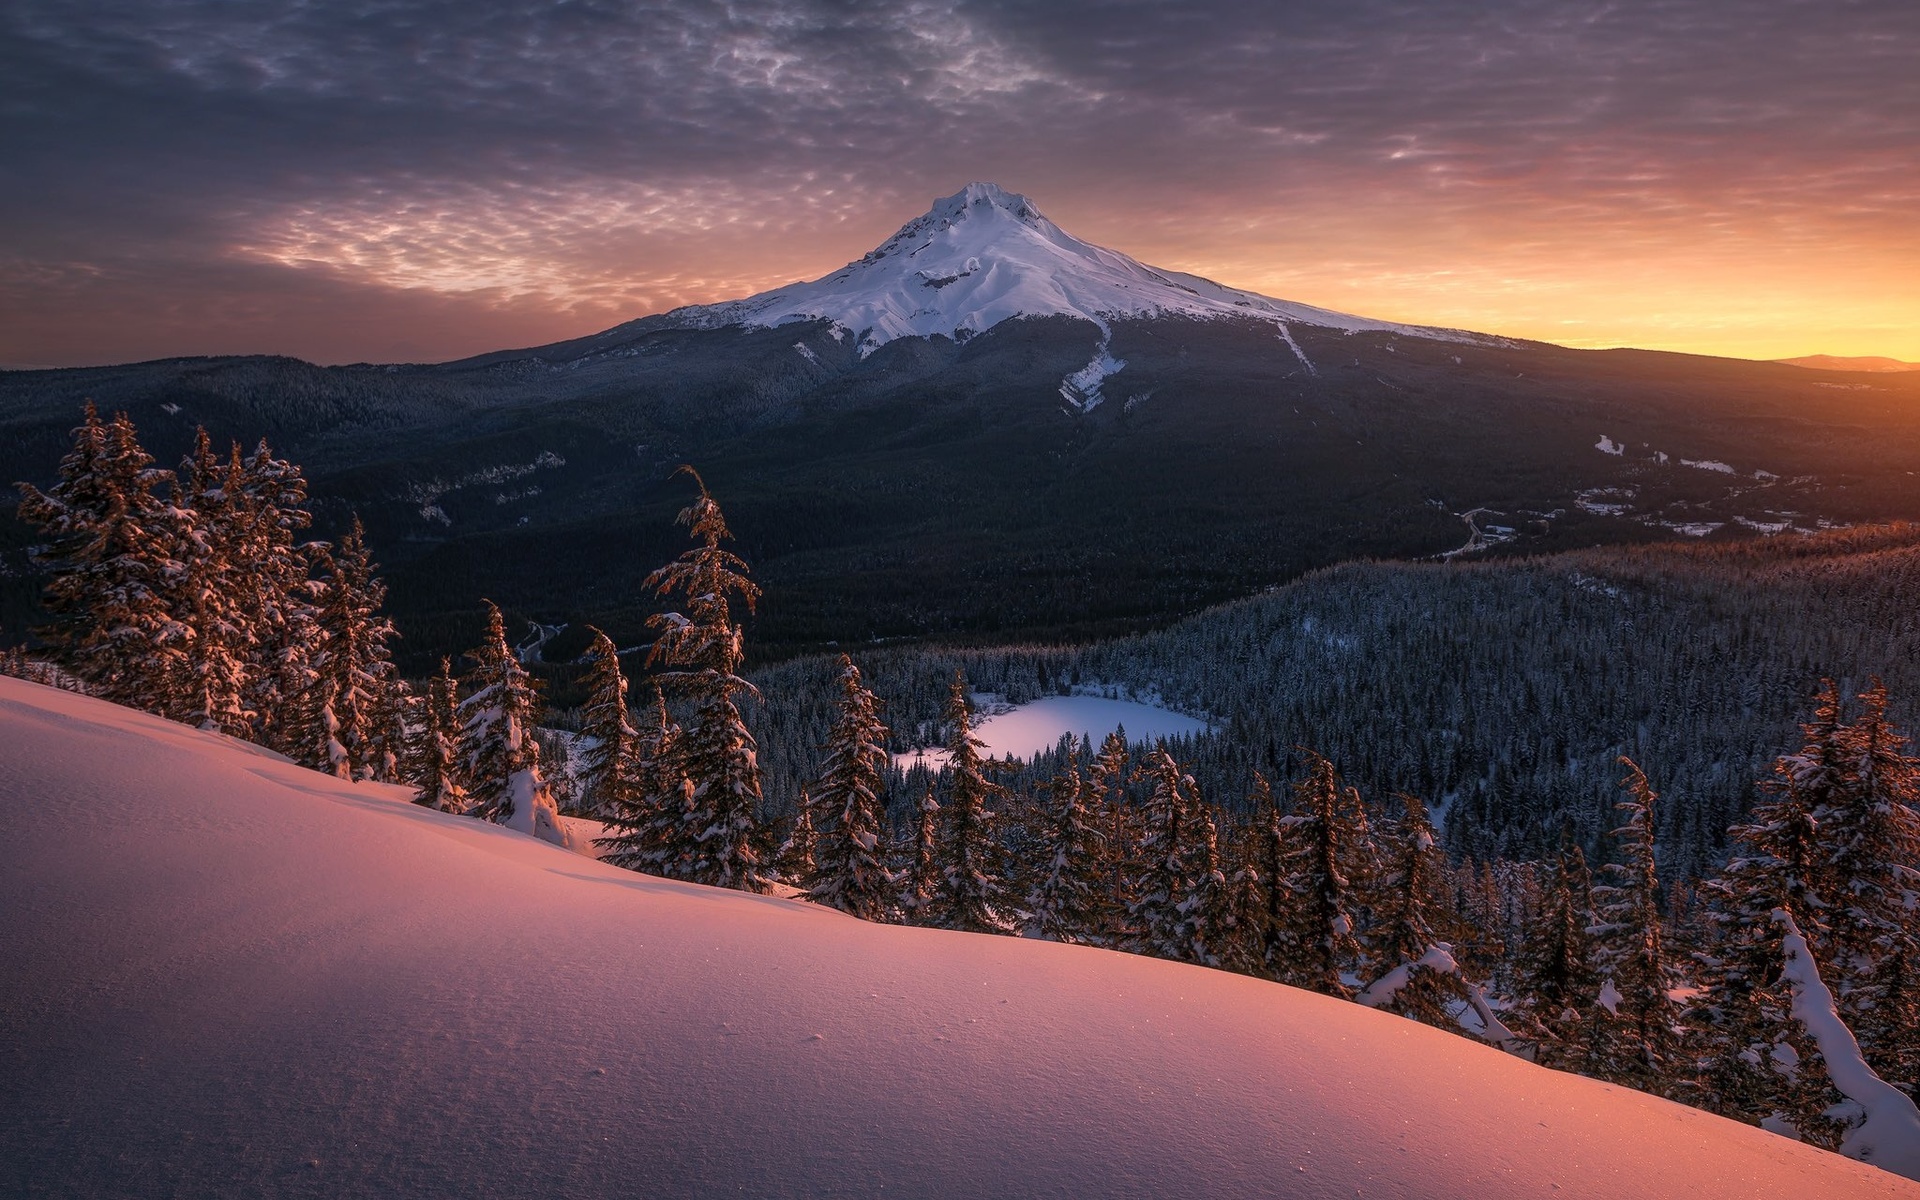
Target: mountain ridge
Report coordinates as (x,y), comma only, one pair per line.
(1874,364)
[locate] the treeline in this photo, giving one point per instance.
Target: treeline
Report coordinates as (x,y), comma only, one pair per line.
(202,604)
(192,594)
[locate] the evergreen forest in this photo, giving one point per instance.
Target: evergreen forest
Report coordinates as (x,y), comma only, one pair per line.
(1646,814)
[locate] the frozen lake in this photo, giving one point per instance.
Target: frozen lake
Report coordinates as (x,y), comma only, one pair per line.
(1031,728)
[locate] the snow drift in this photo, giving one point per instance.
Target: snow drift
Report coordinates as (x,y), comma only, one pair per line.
(227,976)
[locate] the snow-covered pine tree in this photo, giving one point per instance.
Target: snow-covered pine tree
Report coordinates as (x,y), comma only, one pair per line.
(437,771)
(970,892)
(1240,942)
(1171,855)
(111,551)
(503,759)
(274,588)
(1203,906)
(396,724)
(1119,820)
(794,861)
(650,827)
(608,771)
(1268,858)
(1640,1043)
(1756,1062)
(220,643)
(921,874)
(850,870)
(352,668)
(1869,838)
(1554,976)
(702,649)
(1409,902)
(1065,902)
(1320,949)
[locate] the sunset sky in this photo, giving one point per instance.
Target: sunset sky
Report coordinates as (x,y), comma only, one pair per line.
(422,179)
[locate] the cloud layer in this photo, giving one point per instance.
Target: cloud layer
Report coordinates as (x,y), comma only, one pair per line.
(419,179)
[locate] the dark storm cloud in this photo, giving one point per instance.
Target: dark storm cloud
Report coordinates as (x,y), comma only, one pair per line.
(259,170)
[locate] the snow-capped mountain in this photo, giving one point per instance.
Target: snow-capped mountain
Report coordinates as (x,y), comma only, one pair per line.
(984,255)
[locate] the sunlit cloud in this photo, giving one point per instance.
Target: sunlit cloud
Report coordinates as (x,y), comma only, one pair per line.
(596,247)
(1686,174)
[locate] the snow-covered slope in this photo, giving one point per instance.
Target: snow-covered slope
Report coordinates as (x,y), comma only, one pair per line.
(221,975)
(983,255)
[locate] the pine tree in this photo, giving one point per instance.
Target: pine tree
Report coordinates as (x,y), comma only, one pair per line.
(1555,971)
(1204,901)
(1869,838)
(503,759)
(1639,1046)
(438,753)
(1064,904)
(352,668)
(922,871)
(1119,821)
(795,860)
(1268,859)
(703,649)
(212,523)
(1174,893)
(969,895)
(608,772)
(111,551)
(274,589)
(850,871)
(1756,1062)
(397,713)
(1320,949)
(1410,904)
(648,826)
(1241,941)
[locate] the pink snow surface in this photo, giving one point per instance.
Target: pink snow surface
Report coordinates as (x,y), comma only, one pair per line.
(222,975)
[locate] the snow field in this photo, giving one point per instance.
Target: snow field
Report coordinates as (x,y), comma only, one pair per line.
(1029,729)
(228,976)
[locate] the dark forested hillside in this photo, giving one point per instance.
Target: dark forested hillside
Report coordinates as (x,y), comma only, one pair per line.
(1502,691)
(951,488)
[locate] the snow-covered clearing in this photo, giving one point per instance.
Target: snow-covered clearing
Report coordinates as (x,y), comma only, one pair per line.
(228,976)
(1031,728)
(1082,388)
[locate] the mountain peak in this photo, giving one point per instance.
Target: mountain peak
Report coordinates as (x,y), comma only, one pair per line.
(979,195)
(976,203)
(984,255)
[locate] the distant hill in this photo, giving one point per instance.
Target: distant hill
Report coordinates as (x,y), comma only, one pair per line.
(1698,659)
(227,976)
(1828,362)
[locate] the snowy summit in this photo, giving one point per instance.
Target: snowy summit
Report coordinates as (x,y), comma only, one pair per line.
(984,255)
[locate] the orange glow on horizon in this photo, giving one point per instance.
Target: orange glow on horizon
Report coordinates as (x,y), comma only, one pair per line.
(591,262)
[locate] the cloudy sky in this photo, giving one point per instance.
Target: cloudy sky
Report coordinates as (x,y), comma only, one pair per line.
(420,179)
